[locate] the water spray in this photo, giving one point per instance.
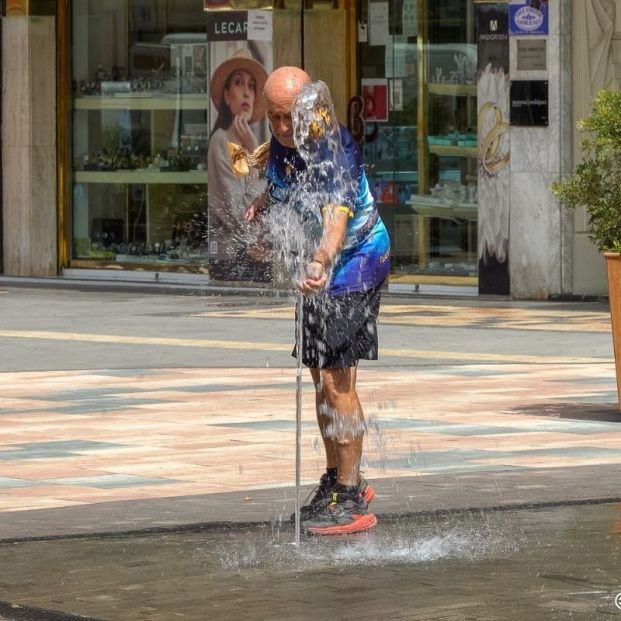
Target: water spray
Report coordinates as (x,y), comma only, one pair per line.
(299,228)
(298,415)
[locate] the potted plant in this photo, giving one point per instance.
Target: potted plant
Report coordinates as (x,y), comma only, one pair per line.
(596,185)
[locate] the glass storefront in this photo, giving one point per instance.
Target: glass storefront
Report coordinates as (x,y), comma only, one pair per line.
(418,82)
(139,135)
(141,123)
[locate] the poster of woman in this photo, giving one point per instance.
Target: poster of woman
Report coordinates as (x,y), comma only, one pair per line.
(240,68)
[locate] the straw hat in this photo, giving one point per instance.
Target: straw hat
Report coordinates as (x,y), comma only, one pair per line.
(241,60)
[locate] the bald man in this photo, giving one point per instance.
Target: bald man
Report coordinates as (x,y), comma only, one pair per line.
(341,287)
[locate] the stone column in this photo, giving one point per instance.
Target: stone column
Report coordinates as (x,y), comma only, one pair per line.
(29,185)
(540,246)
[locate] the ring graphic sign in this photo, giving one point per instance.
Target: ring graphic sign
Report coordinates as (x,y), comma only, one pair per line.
(494,170)
(528,17)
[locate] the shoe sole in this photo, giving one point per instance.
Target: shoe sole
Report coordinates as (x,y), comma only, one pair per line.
(359,525)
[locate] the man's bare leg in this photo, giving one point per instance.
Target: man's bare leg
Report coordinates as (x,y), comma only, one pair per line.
(324,419)
(342,423)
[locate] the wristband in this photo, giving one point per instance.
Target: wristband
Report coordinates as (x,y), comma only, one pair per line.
(320,263)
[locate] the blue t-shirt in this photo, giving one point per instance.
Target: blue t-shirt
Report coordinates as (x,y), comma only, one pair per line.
(364,261)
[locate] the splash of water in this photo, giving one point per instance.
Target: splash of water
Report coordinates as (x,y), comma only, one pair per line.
(392,546)
(296,225)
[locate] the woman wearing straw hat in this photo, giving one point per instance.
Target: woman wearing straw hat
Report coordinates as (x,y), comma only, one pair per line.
(236,90)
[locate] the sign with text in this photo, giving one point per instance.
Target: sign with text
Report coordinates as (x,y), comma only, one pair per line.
(529,103)
(227,26)
(260,25)
(528,17)
(531,55)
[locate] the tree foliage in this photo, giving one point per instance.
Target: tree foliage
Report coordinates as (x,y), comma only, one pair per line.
(596,182)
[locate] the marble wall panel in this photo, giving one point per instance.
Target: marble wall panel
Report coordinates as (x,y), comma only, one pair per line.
(29,146)
(540,148)
(535,243)
(541,231)
(16,209)
(42,81)
(15,83)
(43,220)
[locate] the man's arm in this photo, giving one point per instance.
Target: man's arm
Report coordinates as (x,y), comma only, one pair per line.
(335,219)
(258,205)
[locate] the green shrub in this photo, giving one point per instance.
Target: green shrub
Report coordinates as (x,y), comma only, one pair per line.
(596,182)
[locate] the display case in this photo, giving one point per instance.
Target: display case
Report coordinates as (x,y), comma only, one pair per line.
(139,133)
(426,184)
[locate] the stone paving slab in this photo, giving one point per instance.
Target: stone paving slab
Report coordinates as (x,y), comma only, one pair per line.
(226,452)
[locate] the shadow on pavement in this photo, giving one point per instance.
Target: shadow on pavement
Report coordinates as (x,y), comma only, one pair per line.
(607,413)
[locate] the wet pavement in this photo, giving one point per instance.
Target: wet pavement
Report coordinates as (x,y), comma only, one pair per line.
(561,563)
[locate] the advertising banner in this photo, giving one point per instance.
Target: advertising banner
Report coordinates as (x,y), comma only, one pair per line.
(494,191)
(528,17)
(240,59)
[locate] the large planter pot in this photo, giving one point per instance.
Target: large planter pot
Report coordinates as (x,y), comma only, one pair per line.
(613,267)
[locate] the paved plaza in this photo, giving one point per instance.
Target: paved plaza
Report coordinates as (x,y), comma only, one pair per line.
(153,412)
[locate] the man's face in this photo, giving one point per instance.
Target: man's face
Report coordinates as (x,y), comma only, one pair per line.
(279,117)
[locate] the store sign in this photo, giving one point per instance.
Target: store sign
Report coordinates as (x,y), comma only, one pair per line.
(529,103)
(494,189)
(493,37)
(227,26)
(532,54)
(528,17)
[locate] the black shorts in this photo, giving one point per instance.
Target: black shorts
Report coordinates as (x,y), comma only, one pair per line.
(338,331)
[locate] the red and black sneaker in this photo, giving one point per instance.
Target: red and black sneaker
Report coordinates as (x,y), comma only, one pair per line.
(318,497)
(322,494)
(344,514)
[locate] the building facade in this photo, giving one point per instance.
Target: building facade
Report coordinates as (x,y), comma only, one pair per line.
(465,111)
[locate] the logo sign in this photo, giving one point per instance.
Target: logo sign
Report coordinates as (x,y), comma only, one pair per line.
(529,103)
(493,25)
(227,26)
(528,17)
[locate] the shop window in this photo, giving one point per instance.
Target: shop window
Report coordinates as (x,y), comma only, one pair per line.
(418,79)
(139,132)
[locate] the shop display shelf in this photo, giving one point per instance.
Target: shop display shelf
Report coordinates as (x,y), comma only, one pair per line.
(453,150)
(442,88)
(198,177)
(431,207)
(143,101)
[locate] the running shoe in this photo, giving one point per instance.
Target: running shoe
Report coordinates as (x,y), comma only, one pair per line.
(344,514)
(318,497)
(322,494)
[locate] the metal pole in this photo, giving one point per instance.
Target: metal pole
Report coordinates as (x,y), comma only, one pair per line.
(298,417)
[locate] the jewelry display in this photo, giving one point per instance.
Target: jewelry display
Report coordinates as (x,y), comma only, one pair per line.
(169,82)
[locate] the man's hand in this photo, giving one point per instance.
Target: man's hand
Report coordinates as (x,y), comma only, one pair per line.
(253,211)
(315,279)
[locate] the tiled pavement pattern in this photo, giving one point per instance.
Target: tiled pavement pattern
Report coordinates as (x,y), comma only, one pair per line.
(79,437)
(552,319)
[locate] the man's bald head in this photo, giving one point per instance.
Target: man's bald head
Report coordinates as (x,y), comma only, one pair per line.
(281,89)
(284,85)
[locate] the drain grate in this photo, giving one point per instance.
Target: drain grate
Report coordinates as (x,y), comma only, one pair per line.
(14,612)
